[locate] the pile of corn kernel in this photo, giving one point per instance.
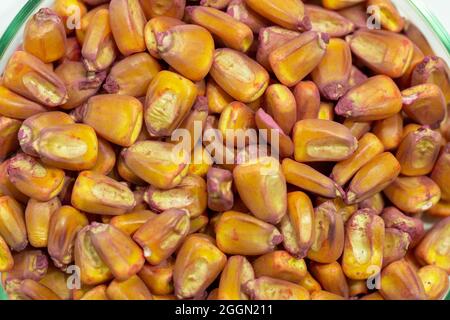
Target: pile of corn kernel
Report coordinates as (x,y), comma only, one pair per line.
(94,206)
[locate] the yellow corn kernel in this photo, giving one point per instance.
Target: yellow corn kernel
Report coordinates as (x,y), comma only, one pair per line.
(327,21)
(396,244)
(339,4)
(390,18)
(198,224)
(34,179)
(201,161)
(125,172)
(56,280)
(237,272)
(441,171)
(373,177)
(239,233)
(197,117)
(389,131)
(130,222)
(241,77)
(161,235)
(12,223)
(218,99)
(322,140)
(36,291)
(295,59)
(6,258)
(328,241)
(31,128)
(44,36)
(307,97)
(9,129)
(68,146)
(93,270)
(331,278)
(198,264)
(132,75)
(16,106)
(132,288)
(96,293)
(375,203)
(234,118)
(369,146)
(325,295)
(6,187)
(37,220)
(159,278)
(166,8)
(266,288)
(169,99)
(280,265)
(405,81)
(157,25)
(65,223)
(363,250)
(240,11)
(435,282)
(127,117)
(233,33)
(254,180)
(66,9)
(410,128)
(413,194)
(433,70)
(433,249)
(99,49)
(326,111)
(345,210)
(281,105)
(309,179)
(309,283)
(106,158)
(289,14)
(357,128)
(399,281)
(357,288)
(219,187)
(30,77)
(333,72)
(375,99)
(383,52)
(117,250)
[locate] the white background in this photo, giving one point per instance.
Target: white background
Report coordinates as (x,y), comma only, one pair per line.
(9,8)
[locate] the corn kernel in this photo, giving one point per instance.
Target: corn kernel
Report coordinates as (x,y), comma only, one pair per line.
(96,293)
(435,282)
(339,4)
(166,8)
(16,106)
(220,193)
(389,131)
(356,12)
(390,18)
(282,106)
(218,99)
(396,244)
(325,295)
(6,259)
(130,222)
(6,187)
(357,128)
(132,288)
(266,288)
(309,283)
(280,265)
(37,218)
(327,21)
(240,11)
(56,280)
(375,203)
(237,272)
(28,264)
(307,97)
(159,278)
(12,223)
(331,278)
(36,291)
(65,9)
(9,142)
(235,118)
(440,172)
(156,25)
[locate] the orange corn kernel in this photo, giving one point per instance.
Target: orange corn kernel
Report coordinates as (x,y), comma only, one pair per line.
(281,105)
(9,129)
(257,178)
(198,264)
(441,209)
(390,18)
(357,288)
(280,265)
(375,203)
(12,223)
(410,128)
(65,223)
(271,38)
(93,270)
(389,131)
(218,99)
(435,282)
(240,233)
(356,78)
(196,117)
(37,218)
(322,140)
(31,128)
(237,272)
(16,106)
(345,210)
(266,288)
(166,8)
(433,248)
(56,280)
(240,11)
(364,240)
(399,281)
(294,60)
(106,158)
(6,187)
(425,104)
(36,291)
(34,179)
(405,81)
(383,52)
(356,13)
(86,19)
(161,235)
(373,177)
(369,146)
(130,222)
(328,21)
(396,244)
(288,14)
(233,33)
(44,36)
(331,278)
(159,278)
(328,241)
(132,75)
(375,99)
(125,173)
(127,21)
(357,128)
(30,77)
(220,193)
(96,293)
(127,117)
(117,250)
(66,9)
(99,49)
(309,283)
(441,171)
(309,179)
(6,258)
(169,99)
(413,194)
(416,36)
(339,4)
(201,161)
(325,295)
(234,118)
(68,146)
(156,25)
(307,97)
(241,77)
(132,288)
(333,72)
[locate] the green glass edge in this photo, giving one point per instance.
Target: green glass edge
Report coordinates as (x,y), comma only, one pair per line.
(31,5)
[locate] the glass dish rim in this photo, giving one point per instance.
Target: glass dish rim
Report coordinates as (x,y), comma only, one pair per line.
(420,7)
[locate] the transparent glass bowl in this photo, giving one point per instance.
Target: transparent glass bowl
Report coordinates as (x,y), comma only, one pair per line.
(415,11)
